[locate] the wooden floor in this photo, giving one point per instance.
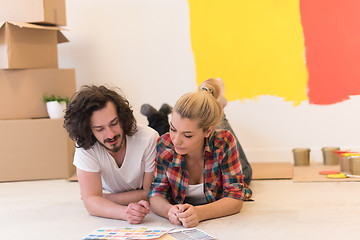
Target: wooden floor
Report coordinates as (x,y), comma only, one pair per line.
(282,209)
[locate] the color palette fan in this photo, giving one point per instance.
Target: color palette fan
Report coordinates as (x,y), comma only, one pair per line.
(190,234)
(126,233)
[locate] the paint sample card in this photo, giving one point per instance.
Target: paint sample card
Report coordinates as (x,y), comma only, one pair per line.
(190,234)
(127,233)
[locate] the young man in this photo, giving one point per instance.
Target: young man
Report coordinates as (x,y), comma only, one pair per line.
(112,153)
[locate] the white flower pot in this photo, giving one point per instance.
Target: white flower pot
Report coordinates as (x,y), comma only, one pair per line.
(56,109)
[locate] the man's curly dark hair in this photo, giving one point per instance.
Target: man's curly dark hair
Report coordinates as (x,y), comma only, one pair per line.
(84,103)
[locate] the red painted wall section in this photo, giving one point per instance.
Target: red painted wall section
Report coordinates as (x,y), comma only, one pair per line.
(332,49)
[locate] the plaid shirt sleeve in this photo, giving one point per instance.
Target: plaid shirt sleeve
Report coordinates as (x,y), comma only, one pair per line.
(160,185)
(232,176)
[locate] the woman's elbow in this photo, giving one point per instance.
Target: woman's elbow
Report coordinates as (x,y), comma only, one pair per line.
(155,204)
(238,206)
(146,197)
(152,202)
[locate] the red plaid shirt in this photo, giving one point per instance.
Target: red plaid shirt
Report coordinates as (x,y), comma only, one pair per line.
(222,170)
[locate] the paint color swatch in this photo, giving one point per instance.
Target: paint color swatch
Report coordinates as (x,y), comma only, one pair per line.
(190,234)
(123,233)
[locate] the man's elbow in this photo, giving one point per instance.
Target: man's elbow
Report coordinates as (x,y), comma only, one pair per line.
(88,203)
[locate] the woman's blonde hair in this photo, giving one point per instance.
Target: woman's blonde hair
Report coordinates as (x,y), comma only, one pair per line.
(200,105)
(211,85)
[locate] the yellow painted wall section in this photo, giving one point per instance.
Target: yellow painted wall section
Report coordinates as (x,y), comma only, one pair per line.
(256,47)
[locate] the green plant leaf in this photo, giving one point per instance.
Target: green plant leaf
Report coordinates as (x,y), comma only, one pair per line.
(52,97)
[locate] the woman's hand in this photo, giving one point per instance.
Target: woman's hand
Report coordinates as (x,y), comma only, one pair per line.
(188,215)
(136,212)
(172,215)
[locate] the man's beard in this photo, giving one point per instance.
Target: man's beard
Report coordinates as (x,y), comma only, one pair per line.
(114,148)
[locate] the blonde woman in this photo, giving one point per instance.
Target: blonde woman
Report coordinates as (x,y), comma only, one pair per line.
(198,173)
(158,119)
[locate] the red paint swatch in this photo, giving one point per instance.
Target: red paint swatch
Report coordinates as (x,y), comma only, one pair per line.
(328,172)
(332,49)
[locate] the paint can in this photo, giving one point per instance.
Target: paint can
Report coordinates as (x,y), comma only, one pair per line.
(329,157)
(301,156)
(345,163)
(355,164)
(344,159)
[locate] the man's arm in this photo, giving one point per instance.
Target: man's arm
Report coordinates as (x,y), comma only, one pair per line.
(97,205)
(125,198)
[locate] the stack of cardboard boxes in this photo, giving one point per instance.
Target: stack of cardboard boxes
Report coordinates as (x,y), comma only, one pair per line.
(32,146)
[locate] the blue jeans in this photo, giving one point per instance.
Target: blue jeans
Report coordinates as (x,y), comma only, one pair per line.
(246,168)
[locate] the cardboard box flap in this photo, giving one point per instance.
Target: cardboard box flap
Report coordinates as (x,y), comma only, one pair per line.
(60,36)
(49,12)
(31,25)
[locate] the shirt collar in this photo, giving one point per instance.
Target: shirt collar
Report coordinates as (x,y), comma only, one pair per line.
(177,160)
(208,147)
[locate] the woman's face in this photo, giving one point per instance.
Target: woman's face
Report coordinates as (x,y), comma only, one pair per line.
(186,135)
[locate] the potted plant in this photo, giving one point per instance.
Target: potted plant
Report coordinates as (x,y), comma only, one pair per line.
(55,105)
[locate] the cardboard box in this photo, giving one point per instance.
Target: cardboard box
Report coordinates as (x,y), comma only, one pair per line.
(33,149)
(25,45)
(21,91)
(34,11)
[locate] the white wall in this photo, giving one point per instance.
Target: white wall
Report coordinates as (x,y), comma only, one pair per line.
(144,48)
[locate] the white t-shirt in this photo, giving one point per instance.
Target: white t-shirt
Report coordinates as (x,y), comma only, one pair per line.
(139,158)
(195,195)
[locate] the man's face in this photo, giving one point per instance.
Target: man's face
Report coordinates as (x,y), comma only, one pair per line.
(105,126)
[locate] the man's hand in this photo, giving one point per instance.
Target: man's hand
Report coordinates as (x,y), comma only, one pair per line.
(136,212)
